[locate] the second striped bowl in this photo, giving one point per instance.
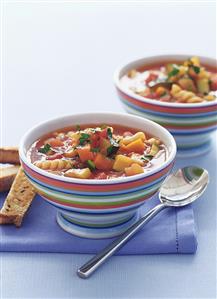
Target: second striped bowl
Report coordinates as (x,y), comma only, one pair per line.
(191,125)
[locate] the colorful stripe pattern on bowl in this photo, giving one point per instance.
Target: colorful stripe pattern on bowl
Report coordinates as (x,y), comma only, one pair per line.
(107,208)
(191,126)
(98,197)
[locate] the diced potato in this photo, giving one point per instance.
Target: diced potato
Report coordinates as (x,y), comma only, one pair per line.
(121,162)
(182,70)
(154,149)
(133,169)
(84,173)
(175,89)
(187,84)
(203,85)
(204,74)
(136,146)
(195,61)
(128,139)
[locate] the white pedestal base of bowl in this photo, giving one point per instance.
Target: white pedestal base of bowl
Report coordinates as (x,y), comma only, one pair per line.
(96,231)
(193,146)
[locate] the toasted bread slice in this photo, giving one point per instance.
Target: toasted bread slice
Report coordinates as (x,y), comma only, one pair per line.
(9,155)
(7,175)
(18,200)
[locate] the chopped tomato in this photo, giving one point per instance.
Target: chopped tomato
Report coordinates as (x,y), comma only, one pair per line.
(151,77)
(95,139)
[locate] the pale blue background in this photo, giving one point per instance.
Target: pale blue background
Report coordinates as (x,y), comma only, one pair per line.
(58,58)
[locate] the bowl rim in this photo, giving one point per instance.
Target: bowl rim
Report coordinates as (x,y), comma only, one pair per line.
(143,61)
(42,172)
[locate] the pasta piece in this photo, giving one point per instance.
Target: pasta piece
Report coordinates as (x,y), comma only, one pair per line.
(56,164)
(184,95)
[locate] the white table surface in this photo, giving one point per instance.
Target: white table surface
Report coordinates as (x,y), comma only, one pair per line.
(58,58)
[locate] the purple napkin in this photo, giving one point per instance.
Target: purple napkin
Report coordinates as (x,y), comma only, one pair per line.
(171,231)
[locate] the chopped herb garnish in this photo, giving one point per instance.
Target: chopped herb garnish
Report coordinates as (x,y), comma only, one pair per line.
(95,149)
(112,150)
(84,138)
(114,147)
(147,157)
(109,132)
(78,128)
(44,149)
(91,164)
(174,72)
(196,69)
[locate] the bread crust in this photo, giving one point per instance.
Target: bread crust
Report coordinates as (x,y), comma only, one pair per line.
(18,200)
(7,175)
(9,154)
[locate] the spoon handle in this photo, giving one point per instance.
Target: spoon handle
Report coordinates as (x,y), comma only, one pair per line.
(93,264)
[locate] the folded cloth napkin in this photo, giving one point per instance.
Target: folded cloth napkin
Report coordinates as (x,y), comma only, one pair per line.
(171,231)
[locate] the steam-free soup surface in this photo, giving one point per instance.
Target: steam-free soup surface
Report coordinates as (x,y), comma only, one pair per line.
(97,152)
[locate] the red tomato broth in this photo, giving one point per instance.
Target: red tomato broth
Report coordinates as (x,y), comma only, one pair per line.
(119,132)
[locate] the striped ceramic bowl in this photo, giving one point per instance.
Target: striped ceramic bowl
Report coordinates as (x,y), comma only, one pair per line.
(190,124)
(97,208)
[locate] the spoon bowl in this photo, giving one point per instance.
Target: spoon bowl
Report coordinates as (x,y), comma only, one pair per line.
(184,186)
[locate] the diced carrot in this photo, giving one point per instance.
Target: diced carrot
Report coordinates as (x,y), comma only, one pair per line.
(102,162)
(85,153)
(136,146)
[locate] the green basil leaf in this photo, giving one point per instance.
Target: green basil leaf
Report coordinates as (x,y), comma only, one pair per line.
(174,72)
(44,149)
(196,69)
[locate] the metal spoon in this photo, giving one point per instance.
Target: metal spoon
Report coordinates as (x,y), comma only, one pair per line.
(179,189)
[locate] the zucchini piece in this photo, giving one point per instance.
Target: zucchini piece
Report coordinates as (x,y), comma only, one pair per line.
(154,149)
